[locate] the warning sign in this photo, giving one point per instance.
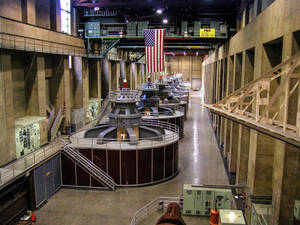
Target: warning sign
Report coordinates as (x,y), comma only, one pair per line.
(207,33)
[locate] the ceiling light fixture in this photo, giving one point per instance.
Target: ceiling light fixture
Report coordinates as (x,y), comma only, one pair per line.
(165,21)
(159,11)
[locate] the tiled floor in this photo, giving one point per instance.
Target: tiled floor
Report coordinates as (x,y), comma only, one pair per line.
(200,163)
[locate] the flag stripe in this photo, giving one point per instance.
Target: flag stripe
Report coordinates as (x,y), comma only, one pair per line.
(154,50)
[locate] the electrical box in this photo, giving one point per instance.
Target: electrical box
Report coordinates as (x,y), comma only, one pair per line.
(94,108)
(131,29)
(184,28)
(223,198)
(260,213)
(92,29)
(141,27)
(27,135)
(205,199)
(297,210)
(231,217)
(197,27)
(188,200)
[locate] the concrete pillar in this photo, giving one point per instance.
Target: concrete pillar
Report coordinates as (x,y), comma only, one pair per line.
(115,76)
(67,92)
(7,128)
(260,166)
(94,72)
(77,83)
(110,84)
(286,185)
(35,90)
(234,139)
(31,15)
(243,155)
(105,80)
(61,89)
(128,74)
(85,84)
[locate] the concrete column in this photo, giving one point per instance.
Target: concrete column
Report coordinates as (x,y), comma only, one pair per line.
(94,71)
(243,155)
(67,92)
(31,15)
(35,90)
(85,84)
(7,128)
(234,139)
(260,165)
(286,185)
(115,76)
(105,82)
(77,83)
(133,76)
(110,78)
(98,79)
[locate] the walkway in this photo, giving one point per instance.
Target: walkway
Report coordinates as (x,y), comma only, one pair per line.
(200,163)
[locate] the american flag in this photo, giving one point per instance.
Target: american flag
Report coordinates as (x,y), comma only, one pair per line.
(154,50)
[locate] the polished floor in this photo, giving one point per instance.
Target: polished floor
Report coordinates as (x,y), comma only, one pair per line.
(200,163)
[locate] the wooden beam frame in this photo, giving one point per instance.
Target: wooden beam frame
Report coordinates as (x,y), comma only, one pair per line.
(270,110)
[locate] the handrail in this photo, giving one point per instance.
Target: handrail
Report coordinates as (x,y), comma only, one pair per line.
(14,41)
(152,207)
(25,163)
(94,170)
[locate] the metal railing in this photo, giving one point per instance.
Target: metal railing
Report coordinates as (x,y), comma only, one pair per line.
(171,135)
(21,165)
(89,166)
(155,205)
(177,108)
(17,42)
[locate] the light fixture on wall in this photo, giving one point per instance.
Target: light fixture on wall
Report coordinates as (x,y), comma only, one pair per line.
(165,21)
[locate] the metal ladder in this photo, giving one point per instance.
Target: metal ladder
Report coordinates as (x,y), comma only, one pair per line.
(89,166)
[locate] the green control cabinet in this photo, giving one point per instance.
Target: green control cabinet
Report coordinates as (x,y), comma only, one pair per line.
(189,200)
(297,210)
(94,108)
(27,135)
(199,200)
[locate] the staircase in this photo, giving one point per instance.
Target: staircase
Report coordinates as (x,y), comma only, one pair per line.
(51,111)
(88,166)
(56,124)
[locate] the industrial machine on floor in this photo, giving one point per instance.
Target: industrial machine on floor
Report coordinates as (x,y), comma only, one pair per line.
(199,200)
(172,216)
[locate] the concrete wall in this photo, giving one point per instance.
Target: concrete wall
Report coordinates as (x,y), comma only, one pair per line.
(11,9)
(269,38)
(189,66)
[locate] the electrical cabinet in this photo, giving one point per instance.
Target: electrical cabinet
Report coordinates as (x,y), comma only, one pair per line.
(200,200)
(94,108)
(260,214)
(188,196)
(297,210)
(92,29)
(223,198)
(231,217)
(27,135)
(141,27)
(184,28)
